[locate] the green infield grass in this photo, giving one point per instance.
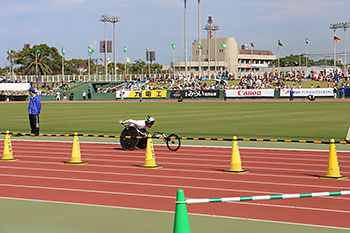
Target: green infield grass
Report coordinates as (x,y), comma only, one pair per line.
(282,120)
(42,217)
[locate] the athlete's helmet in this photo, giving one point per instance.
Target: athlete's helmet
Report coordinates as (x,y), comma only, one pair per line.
(150,120)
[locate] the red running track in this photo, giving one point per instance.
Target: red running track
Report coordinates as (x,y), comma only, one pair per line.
(112,178)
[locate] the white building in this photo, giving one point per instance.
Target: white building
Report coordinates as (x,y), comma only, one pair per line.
(231,59)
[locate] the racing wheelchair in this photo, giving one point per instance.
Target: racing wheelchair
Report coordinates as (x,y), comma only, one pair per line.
(172,141)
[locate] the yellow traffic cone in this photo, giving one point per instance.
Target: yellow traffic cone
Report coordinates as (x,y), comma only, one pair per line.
(150,160)
(333,171)
(76,157)
(7,154)
(236,164)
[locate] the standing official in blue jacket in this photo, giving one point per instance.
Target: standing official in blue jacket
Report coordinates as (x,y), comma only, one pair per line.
(34,111)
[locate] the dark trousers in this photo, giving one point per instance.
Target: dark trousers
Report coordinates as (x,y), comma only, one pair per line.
(34,124)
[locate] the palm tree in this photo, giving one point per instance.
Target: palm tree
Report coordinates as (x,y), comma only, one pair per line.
(40,61)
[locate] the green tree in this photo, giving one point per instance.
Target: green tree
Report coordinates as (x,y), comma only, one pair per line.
(156,67)
(48,59)
(139,66)
(300,60)
(2,71)
(37,62)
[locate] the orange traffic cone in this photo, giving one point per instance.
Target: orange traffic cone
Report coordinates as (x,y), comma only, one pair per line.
(7,154)
(150,160)
(236,164)
(333,171)
(76,156)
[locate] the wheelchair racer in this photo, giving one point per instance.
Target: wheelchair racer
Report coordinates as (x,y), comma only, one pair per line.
(142,125)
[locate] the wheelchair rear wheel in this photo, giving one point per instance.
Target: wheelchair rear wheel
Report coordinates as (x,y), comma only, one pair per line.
(129,143)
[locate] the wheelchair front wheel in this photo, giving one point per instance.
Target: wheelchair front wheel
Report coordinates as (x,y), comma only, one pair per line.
(173,142)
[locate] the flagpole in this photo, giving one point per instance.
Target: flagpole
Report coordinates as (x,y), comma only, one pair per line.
(345,50)
(149,65)
(89,65)
(278,66)
(334,51)
(251,58)
(306,60)
(125,62)
(174,62)
(199,41)
(12,67)
(63,67)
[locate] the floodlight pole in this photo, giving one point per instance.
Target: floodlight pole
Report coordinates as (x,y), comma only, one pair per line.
(345,26)
(106,68)
(215,28)
(114,20)
(210,27)
(115,51)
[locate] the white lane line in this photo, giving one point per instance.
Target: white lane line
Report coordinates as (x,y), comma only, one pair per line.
(154,196)
(160,160)
(160,176)
(85,191)
(141,183)
(132,183)
(241,181)
(210,169)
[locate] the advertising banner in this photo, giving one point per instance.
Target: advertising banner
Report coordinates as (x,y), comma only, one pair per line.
(250,93)
(303,92)
(145,94)
(195,94)
(14,86)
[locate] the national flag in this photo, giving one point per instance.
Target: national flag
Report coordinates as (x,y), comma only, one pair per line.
(91,50)
(37,50)
(200,46)
(9,52)
(224,45)
(173,45)
(147,48)
(125,49)
(252,44)
(307,41)
(337,39)
(63,52)
(280,43)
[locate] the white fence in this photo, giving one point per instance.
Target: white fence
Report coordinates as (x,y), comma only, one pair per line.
(78,78)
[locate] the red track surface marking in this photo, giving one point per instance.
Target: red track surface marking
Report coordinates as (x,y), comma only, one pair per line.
(112,178)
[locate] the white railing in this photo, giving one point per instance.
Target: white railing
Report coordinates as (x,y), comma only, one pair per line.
(79,78)
(65,78)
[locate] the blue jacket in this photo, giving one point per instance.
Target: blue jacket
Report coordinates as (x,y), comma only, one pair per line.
(34,105)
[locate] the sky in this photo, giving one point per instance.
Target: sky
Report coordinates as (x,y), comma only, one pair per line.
(75,24)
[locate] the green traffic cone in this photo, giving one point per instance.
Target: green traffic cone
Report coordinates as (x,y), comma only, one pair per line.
(181,223)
